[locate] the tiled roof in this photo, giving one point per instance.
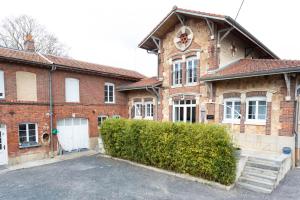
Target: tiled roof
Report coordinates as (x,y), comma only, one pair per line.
(253,67)
(146,82)
(94,67)
(67,63)
(22,55)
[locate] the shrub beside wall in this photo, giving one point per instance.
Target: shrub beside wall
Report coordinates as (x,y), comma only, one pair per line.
(197,149)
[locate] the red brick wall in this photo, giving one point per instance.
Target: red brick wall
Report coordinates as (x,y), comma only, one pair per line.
(13,112)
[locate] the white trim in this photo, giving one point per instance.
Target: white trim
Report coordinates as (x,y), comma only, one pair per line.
(193,59)
(232,119)
(256,121)
(135,110)
(4,142)
(101,116)
(2,84)
(108,101)
(151,108)
(175,62)
(27,132)
(184,110)
(70,95)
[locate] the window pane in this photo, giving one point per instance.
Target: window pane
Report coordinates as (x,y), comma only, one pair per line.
(22,133)
(32,139)
(181,114)
(237,110)
(31,126)
(193,114)
(188,114)
(32,132)
(22,127)
(251,110)
(176,114)
(262,110)
(228,110)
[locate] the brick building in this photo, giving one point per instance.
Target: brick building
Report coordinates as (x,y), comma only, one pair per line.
(210,70)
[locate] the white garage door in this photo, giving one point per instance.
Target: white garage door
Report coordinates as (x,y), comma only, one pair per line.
(73,133)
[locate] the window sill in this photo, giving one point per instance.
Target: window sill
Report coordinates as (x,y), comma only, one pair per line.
(30,146)
(231,122)
(191,84)
(109,102)
(257,123)
(176,86)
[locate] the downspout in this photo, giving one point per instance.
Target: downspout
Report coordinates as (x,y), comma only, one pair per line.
(296,129)
(53,68)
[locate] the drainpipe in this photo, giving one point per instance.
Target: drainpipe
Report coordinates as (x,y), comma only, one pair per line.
(53,68)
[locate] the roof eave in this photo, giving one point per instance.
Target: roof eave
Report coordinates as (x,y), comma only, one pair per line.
(137,88)
(249,75)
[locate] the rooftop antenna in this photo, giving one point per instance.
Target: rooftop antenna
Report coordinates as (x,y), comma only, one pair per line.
(239,10)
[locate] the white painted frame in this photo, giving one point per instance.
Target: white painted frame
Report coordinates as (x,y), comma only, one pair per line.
(108,101)
(140,116)
(27,132)
(4,142)
(256,120)
(147,116)
(194,60)
(101,116)
(2,84)
(179,73)
(184,110)
(232,119)
(70,95)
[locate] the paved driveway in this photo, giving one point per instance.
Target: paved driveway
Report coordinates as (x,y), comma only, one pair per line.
(102,178)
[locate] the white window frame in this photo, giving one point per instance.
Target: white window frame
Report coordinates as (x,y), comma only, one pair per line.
(256,120)
(179,73)
(232,119)
(140,116)
(68,97)
(27,133)
(151,114)
(101,117)
(185,110)
(194,70)
(2,84)
(108,99)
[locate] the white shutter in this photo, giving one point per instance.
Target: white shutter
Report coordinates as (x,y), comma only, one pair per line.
(2,90)
(72,90)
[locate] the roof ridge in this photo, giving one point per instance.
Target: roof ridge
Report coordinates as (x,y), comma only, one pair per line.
(87,62)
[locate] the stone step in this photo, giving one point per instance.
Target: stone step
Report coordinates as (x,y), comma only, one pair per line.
(264,183)
(253,187)
(263,165)
(265,172)
(264,160)
(271,176)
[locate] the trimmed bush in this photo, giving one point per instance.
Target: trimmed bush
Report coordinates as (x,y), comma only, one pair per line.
(201,150)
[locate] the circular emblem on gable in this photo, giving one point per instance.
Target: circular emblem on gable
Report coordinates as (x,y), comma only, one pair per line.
(183,38)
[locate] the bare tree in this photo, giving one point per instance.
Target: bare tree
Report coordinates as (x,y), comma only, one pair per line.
(13,31)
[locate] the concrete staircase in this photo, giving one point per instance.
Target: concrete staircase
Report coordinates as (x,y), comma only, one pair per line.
(260,175)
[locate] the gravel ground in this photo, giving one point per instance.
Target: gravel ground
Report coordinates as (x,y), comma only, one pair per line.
(94,177)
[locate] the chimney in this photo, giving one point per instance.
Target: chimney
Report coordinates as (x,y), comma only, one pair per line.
(29,43)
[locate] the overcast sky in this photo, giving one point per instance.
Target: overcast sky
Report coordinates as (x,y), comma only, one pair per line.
(108,32)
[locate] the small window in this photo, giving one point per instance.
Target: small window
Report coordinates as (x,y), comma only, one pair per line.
(232,109)
(72,90)
(257,109)
(138,111)
(2,88)
(116,116)
(28,134)
(148,110)
(109,93)
(177,73)
(101,119)
(191,70)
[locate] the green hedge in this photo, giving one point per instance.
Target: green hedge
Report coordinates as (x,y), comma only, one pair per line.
(197,149)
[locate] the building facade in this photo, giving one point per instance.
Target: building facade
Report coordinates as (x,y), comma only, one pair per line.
(210,70)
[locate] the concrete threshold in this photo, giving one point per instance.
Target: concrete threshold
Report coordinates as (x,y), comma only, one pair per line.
(183,176)
(47,161)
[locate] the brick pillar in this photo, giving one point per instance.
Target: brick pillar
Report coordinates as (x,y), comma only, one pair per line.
(243,113)
(170,113)
(197,113)
(286,119)
(268,121)
(183,71)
